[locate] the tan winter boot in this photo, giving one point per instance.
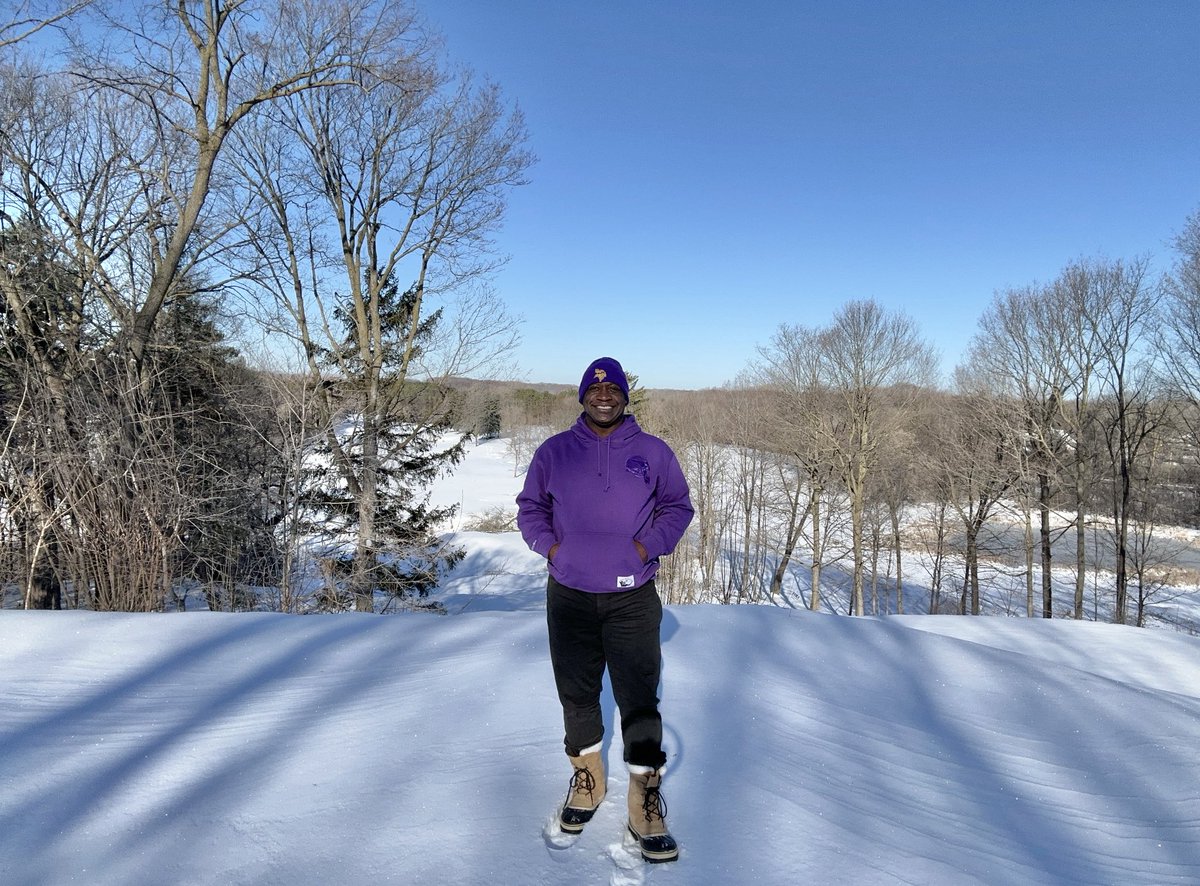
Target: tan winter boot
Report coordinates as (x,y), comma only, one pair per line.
(588,786)
(648,815)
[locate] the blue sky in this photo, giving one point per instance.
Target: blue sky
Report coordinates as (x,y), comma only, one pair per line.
(709,170)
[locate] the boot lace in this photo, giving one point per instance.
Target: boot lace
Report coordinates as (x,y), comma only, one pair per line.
(583,782)
(654,805)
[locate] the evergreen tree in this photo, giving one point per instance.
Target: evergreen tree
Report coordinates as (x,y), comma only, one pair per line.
(407,424)
(220,420)
(490,422)
(637,397)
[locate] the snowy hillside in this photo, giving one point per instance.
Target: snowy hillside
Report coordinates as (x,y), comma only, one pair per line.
(203,748)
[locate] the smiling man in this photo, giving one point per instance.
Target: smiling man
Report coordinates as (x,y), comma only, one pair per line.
(602,502)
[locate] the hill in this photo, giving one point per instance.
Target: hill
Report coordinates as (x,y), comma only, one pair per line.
(206,748)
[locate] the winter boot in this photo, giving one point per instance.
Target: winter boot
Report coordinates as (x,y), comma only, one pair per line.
(587,789)
(648,815)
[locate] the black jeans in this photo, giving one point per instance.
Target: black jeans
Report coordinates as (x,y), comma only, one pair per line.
(619,630)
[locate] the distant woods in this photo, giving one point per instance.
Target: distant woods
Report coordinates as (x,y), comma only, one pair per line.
(1068,441)
(244,260)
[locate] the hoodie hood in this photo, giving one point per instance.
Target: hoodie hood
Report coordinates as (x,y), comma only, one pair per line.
(620,437)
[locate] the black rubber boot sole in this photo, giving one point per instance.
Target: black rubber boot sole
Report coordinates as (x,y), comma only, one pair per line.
(657,849)
(572,820)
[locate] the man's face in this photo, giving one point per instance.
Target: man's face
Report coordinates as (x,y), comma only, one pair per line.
(603,404)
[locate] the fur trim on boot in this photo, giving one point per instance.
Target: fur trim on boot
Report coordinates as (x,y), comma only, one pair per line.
(586,791)
(648,815)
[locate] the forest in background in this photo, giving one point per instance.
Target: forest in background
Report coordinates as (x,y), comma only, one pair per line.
(246,255)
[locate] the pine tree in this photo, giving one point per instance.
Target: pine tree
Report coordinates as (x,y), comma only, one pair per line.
(407,423)
(490,421)
(221,425)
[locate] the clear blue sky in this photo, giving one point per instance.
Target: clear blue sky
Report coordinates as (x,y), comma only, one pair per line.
(709,170)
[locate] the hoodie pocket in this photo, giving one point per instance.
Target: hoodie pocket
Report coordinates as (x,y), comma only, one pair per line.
(596,559)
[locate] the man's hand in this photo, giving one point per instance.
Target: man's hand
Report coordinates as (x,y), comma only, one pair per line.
(550,553)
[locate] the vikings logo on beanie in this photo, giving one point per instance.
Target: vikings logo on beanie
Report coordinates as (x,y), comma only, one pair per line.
(604,369)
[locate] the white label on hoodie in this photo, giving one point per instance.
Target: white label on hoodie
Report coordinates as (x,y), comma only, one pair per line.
(625,581)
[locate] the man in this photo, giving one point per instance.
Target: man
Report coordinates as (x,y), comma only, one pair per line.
(602,502)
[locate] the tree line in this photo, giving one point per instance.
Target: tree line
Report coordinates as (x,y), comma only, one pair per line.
(1068,438)
(245,255)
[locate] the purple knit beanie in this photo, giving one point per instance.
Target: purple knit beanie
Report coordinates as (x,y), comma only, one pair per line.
(604,369)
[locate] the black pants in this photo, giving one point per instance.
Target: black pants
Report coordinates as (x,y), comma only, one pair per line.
(619,630)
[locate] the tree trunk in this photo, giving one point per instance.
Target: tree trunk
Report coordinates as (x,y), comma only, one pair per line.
(939,558)
(1029,608)
(817,551)
(856,544)
(971,592)
(1080,540)
(1044,511)
(363,575)
(876,544)
(1122,538)
(792,534)
(896,542)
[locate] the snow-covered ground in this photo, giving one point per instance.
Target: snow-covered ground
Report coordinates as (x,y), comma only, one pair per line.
(206,748)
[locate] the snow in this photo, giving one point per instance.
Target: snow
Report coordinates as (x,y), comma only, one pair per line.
(209,748)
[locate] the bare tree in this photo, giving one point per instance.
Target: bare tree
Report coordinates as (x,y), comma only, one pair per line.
(23,19)
(747,476)
(865,355)
(403,175)
(1133,412)
(1178,339)
(1019,348)
(788,504)
(802,432)
(695,428)
(1077,302)
(1152,551)
(199,68)
(979,460)
(894,487)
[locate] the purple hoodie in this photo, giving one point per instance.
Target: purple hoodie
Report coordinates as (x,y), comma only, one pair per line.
(593,496)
